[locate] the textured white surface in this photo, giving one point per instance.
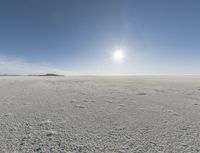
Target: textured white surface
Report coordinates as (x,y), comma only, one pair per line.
(100,114)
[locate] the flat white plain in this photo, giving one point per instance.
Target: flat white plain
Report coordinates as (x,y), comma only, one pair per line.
(100,114)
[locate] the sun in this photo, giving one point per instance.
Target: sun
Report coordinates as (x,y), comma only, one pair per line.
(118,55)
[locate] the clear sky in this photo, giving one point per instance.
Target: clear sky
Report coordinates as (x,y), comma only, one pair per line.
(80,36)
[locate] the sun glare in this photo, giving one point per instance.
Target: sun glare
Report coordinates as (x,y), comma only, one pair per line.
(118,55)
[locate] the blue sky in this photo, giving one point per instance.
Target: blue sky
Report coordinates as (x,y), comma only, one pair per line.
(79,36)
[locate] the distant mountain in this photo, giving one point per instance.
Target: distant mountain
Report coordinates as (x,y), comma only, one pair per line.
(51,74)
(48,74)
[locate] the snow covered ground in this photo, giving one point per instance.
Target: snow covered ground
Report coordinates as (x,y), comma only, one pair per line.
(139,114)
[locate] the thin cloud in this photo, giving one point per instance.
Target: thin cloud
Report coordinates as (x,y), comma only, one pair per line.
(15,66)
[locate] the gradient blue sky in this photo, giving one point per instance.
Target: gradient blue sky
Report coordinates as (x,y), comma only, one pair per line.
(43,36)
